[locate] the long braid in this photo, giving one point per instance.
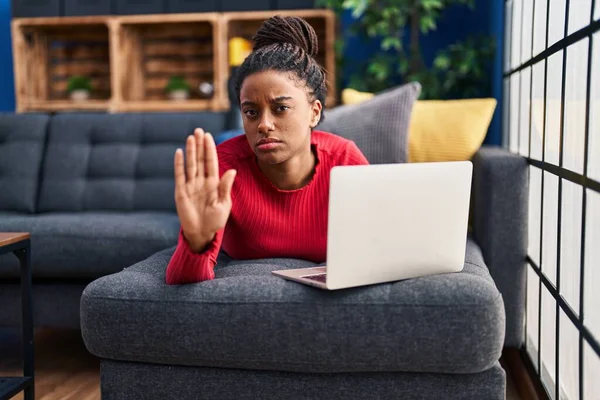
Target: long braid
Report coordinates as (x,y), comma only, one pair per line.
(286,44)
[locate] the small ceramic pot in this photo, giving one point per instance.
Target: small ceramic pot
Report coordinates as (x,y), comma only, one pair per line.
(179,95)
(80,95)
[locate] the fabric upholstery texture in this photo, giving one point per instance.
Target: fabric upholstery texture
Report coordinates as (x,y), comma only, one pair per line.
(133,381)
(378,126)
(22,139)
(500,204)
(248,318)
(448,130)
(116,161)
(88,244)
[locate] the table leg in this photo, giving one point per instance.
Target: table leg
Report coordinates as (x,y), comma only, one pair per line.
(24,256)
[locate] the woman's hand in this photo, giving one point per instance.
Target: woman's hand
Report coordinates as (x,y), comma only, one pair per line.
(202,199)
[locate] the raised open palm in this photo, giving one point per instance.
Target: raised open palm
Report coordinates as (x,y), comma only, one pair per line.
(202,199)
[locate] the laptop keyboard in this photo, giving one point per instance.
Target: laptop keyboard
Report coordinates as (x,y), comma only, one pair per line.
(316,277)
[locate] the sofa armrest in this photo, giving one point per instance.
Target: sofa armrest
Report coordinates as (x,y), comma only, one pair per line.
(500,204)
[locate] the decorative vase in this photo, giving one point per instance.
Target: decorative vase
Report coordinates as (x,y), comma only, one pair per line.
(179,95)
(80,95)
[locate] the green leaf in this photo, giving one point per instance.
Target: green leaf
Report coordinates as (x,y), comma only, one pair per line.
(79,82)
(442,62)
(428,5)
(358,7)
(403,66)
(177,82)
(427,24)
(391,43)
(379,70)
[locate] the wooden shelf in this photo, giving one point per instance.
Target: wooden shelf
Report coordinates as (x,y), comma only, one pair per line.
(61,21)
(131,58)
(168,18)
(165,105)
(68,105)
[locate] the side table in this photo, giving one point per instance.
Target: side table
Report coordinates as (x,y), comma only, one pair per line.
(19,245)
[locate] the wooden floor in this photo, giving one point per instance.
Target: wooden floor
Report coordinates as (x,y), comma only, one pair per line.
(64,368)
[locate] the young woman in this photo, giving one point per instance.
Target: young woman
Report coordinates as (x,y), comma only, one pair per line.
(264,194)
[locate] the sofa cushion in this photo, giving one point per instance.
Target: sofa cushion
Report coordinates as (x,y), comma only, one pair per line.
(88,244)
(21,149)
(247,318)
(116,161)
(379,126)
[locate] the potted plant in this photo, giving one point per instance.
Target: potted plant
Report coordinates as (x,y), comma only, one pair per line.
(457,71)
(79,88)
(177,88)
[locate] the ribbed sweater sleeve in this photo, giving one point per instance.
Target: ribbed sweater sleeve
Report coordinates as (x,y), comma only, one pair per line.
(187,266)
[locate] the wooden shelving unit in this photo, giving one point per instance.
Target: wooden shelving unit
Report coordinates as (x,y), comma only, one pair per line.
(47,51)
(131,58)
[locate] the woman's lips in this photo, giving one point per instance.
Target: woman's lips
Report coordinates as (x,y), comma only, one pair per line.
(268,144)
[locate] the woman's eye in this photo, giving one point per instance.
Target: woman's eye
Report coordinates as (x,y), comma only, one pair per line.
(282,108)
(250,113)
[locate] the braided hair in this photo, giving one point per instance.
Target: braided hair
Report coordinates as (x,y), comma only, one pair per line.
(286,44)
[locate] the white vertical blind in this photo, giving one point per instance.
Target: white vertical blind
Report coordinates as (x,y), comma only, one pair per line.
(553,107)
(580,12)
(533,312)
(594,137)
(535,213)
(539,27)
(550,220)
(548,342)
(524,112)
(514,111)
(537,110)
(575,106)
(517,23)
(569,358)
(591,371)
(527,30)
(556,27)
(592,263)
(570,246)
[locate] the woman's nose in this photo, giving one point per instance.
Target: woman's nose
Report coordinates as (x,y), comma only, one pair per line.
(266,123)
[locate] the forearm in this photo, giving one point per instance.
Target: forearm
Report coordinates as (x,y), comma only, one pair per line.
(189,266)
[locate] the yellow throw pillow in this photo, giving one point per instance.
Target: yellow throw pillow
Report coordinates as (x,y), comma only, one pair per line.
(448,130)
(351,96)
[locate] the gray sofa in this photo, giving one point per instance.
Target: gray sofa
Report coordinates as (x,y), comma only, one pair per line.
(96,193)
(99,204)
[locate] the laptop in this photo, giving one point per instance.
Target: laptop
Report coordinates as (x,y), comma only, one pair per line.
(390,222)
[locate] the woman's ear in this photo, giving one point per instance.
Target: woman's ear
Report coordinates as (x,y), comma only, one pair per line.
(316,110)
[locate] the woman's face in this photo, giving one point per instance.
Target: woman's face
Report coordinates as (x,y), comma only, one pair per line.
(278,116)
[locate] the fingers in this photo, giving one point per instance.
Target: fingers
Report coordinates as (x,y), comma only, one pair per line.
(211,162)
(199,136)
(179,173)
(226,184)
(190,157)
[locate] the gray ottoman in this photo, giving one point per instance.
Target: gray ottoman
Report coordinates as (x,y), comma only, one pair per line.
(248,334)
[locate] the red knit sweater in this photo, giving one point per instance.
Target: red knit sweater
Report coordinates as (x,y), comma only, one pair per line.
(265,221)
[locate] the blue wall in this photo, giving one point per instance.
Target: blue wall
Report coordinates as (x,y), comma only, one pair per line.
(7,90)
